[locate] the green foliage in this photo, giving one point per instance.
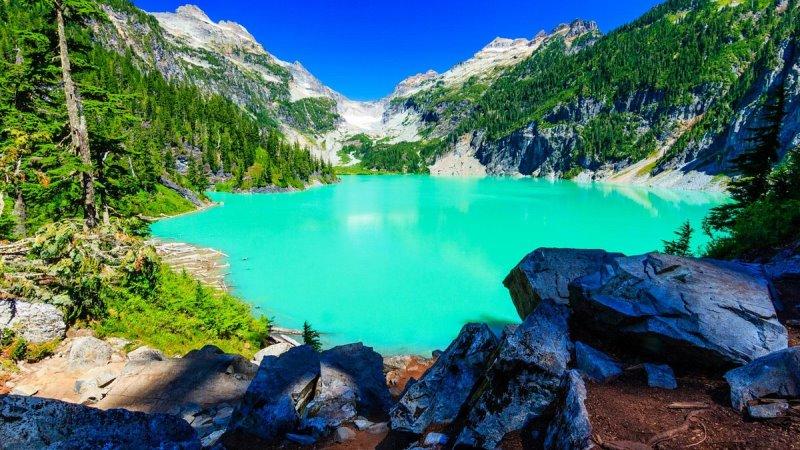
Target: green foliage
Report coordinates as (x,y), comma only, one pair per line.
(401,157)
(179,314)
(18,350)
(139,123)
(311,337)
(759,231)
(681,246)
(313,114)
(614,137)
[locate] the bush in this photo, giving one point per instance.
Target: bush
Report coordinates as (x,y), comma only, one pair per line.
(759,231)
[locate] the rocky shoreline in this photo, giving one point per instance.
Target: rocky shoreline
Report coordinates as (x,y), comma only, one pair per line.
(607,345)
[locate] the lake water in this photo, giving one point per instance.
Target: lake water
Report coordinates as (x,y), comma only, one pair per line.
(402,262)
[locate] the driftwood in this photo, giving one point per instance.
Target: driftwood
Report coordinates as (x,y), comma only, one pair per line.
(687,405)
(691,419)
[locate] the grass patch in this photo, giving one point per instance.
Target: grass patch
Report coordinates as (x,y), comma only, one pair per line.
(180,315)
(163,201)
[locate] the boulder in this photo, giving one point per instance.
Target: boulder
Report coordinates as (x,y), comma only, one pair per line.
(691,311)
(660,376)
(595,364)
(88,351)
(435,439)
(440,394)
(570,429)
(546,273)
(145,353)
(344,434)
(34,322)
(33,423)
(777,375)
(351,383)
(766,411)
(523,381)
(272,350)
(784,276)
(269,409)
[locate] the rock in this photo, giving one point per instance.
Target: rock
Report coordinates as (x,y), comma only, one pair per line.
(362,424)
(784,275)
(344,434)
(105,378)
(378,428)
(351,383)
(433,439)
(301,439)
(117,343)
(523,381)
(212,438)
(595,364)
(88,352)
(282,386)
(318,427)
(691,311)
(570,429)
(145,353)
(437,398)
(777,374)
(25,390)
(30,422)
(546,273)
(660,376)
(272,350)
(768,410)
(34,322)
(208,351)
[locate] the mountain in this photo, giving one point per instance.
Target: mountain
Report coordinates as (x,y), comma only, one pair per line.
(669,99)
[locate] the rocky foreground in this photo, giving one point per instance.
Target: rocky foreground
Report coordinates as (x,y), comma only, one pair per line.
(616,352)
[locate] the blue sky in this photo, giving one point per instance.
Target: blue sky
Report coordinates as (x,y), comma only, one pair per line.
(362,48)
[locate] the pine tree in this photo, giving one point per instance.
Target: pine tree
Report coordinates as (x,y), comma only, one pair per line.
(681,245)
(311,337)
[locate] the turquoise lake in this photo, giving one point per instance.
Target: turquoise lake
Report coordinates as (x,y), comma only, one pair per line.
(402,262)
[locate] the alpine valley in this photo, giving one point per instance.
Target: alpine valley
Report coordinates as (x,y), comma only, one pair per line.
(667,100)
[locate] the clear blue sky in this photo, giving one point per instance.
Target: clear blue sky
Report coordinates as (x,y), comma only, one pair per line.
(362,48)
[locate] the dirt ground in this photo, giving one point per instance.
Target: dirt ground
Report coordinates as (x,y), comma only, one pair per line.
(628,411)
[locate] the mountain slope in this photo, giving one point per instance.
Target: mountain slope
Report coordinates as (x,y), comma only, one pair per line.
(669,97)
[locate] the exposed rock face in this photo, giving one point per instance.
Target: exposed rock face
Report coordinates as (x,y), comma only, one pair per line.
(351,383)
(595,364)
(282,387)
(776,374)
(89,351)
(523,381)
(438,397)
(570,429)
(706,312)
(546,273)
(35,423)
(35,322)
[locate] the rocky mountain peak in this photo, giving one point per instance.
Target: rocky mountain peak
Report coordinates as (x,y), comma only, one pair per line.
(576,28)
(194,12)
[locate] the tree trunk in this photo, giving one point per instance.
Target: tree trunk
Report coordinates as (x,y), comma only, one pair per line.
(77,124)
(19,212)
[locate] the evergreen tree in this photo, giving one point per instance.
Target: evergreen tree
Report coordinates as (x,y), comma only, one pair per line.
(681,245)
(311,337)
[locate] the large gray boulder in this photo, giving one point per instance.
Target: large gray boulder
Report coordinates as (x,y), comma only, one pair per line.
(784,275)
(282,386)
(777,375)
(523,381)
(546,273)
(694,312)
(35,322)
(351,383)
(88,351)
(37,423)
(570,429)
(437,398)
(595,364)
